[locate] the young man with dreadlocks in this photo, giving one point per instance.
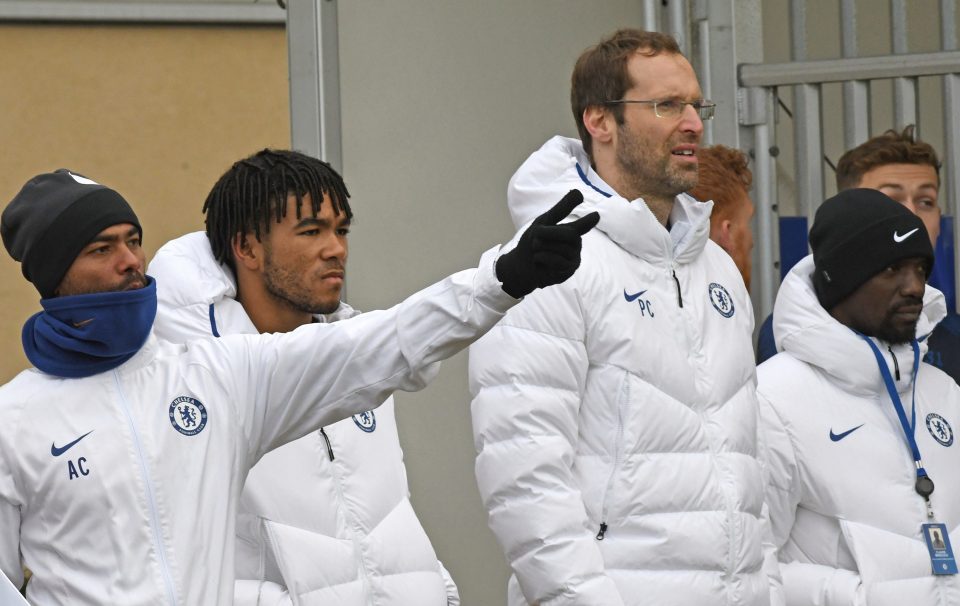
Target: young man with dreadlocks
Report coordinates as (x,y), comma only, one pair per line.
(327,514)
(122,456)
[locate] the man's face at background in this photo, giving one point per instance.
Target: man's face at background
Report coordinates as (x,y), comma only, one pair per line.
(112,261)
(305,259)
(915,186)
(735,236)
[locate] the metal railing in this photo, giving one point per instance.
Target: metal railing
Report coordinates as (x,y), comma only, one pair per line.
(762,81)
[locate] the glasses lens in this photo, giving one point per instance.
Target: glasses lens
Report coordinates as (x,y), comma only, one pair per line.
(706,110)
(668,109)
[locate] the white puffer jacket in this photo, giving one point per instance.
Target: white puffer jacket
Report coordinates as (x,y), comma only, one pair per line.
(841,476)
(616,428)
(325,519)
(111,492)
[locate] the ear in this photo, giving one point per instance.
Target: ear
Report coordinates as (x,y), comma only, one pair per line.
(723,236)
(247,251)
(600,123)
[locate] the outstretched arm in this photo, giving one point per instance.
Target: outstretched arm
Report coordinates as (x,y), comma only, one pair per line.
(319,374)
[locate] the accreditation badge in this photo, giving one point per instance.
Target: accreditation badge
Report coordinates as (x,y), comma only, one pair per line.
(938,544)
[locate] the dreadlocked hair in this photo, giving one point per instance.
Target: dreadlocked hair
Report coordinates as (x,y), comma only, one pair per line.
(254,191)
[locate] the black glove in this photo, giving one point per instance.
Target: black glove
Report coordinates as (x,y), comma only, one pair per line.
(547,253)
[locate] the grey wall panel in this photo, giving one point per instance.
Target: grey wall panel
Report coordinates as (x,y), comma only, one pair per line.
(441,102)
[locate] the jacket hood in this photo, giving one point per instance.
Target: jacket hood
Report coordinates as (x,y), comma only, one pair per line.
(206,281)
(188,274)
(562,164)
(803,328)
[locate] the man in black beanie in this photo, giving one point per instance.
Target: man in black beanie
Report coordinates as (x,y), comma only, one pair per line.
(54,217)
(122,457)
(854,238)
(907,169)
(856,428)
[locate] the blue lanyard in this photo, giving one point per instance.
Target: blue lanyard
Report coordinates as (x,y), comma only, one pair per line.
(924,485)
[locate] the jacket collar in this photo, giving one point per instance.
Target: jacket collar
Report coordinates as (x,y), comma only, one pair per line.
(804,329)
(561,165)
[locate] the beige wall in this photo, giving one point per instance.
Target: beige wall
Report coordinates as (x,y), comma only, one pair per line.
(158,113)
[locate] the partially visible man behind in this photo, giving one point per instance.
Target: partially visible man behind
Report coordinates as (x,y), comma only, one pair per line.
(134,501)
(326,518)
(908,171)
(616,419)
(856,428)
(725,178)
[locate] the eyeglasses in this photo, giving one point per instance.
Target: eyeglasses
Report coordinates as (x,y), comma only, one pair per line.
(673,108)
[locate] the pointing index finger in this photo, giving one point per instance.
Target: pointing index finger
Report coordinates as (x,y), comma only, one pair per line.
(561,209)
(585,223)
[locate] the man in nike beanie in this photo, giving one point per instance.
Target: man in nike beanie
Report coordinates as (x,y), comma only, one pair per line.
(858,433)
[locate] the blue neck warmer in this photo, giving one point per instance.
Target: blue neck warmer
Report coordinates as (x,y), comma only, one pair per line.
(82,335)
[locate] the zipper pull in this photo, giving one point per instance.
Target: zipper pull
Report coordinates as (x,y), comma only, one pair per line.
(896,365)
(679,296)
(603,531)
(327,440)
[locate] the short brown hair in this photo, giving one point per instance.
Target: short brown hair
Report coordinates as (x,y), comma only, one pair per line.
(724,178)
(601,72)
(889,148)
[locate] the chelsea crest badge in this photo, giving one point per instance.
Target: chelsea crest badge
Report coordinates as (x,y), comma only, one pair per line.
(366,421)
(939,429)
(721,299)
(188,415)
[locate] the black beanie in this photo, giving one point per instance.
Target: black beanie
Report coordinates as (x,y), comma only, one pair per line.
(858,233)
(53,217)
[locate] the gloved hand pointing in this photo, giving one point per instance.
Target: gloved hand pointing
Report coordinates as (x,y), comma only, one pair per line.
(546,253)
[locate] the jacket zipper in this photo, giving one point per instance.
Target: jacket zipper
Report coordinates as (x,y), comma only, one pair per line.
(896,365)
(676,281)
(329,445)
(348,521)
(151,500)
(624,394)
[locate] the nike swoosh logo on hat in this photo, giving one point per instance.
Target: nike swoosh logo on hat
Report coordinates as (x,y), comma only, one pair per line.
(82,180)
(836,437)
(59,451)
(898,238)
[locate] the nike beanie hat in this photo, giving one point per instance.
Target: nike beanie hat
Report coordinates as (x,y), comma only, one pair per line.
(53,217)
(858,233)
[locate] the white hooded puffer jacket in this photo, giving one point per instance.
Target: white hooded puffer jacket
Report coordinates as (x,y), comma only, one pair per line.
(615,416)
(142,511)
(325,519)
(840,472)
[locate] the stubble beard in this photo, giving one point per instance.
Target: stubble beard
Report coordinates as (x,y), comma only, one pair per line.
(647,171)
(286,287)
(888,331)
(68,289)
